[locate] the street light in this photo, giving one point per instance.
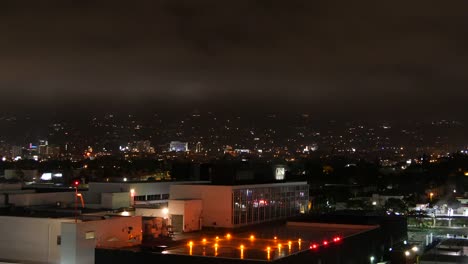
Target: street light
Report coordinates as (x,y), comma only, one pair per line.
(165,211)
(431,195)
(132,197)
(76,183)
(81,198)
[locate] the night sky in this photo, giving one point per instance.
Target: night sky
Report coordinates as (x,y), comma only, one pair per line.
(393,59)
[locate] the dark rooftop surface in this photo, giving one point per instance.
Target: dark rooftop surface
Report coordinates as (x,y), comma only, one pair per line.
(264,242)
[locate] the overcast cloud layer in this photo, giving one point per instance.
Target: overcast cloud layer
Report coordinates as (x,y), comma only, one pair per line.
(336,56)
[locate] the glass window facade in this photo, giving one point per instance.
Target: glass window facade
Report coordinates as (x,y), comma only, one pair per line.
(139,198)
(154,197)
(261,204)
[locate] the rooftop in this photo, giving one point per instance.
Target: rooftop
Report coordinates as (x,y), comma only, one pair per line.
(266,242)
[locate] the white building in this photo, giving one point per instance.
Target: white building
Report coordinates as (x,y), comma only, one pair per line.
(61,240)
(178,146)
(142,193)
(191,207)
(240,205)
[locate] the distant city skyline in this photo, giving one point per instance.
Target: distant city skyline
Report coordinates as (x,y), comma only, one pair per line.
(213,135)
(361,59)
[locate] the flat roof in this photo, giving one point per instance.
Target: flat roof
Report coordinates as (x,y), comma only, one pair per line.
(148,182)
(241,186)
(268,243)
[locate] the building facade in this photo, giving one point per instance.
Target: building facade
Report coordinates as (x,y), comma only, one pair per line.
(240,205)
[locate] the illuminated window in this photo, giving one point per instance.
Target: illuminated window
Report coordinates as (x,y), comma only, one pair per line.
(140,198)
(89,235)
(256,205)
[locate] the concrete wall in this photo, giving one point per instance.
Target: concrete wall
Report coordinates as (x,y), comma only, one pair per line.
(91,198)
(27,174)
(191,211)
(79,240)
(176,207)
(150,212)
(216,202)
(10,186)
(30,239)
(30,199)
(192,215)
(115,200)
(141,188)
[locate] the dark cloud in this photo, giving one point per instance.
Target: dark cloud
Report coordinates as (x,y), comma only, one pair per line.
(324,56)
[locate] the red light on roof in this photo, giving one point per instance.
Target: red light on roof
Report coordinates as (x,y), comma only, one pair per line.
(336,239)
(325,242)
(313,246)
